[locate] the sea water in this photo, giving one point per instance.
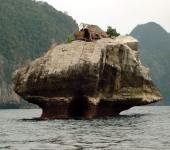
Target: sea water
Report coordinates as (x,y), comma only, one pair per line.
(140,128)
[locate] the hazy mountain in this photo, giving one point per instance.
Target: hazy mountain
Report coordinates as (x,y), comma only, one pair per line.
(27,30)
(154,48)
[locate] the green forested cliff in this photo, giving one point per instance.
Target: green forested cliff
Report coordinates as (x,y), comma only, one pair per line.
(154,48)
(27,30)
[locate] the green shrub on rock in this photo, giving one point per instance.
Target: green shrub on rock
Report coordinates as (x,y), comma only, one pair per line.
(112,32)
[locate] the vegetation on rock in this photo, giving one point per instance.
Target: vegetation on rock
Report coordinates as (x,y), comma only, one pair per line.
(69,39)
(112,32)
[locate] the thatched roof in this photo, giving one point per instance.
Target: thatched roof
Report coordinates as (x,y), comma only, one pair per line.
(94,31)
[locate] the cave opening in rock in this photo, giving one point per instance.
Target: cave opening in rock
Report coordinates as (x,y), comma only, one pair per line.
(78,106)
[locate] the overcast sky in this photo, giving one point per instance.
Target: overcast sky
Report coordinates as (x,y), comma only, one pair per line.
(123,15)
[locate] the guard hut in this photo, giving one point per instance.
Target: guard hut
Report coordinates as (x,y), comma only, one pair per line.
(89,32)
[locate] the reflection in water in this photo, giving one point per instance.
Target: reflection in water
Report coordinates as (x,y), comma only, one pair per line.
(139,128)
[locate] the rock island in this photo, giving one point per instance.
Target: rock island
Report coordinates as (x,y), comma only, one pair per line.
(101,77)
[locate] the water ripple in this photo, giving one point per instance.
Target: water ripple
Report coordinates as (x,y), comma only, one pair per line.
(143,128)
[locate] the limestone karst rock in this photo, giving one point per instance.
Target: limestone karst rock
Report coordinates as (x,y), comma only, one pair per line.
(87,79)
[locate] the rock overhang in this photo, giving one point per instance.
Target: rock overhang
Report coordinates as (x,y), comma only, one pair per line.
(106,72)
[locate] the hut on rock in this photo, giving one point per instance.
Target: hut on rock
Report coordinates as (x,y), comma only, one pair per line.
(89,32)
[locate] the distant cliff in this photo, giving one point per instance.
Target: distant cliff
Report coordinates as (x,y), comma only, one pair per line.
(154,51)
(28,29)
(87,79)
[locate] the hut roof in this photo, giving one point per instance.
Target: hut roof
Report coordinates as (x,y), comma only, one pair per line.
(94,29)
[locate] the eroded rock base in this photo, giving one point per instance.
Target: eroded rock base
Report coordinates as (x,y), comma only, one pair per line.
(82,110)
(80,107)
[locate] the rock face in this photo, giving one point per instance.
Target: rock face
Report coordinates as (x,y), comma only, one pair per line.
(87,79)
(8,98)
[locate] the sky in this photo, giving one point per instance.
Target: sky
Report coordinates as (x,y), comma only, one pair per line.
(123,15)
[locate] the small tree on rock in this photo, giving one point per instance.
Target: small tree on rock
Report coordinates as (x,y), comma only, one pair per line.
(112,32)
(69,39)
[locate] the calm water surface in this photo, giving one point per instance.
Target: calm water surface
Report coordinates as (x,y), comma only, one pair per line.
(140,128)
